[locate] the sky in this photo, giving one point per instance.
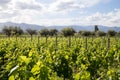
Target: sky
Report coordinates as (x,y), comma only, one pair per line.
(61,12)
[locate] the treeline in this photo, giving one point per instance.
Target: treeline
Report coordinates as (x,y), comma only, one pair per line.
(17,31)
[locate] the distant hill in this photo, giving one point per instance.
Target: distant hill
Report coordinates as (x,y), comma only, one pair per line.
(88,28)
(25,26)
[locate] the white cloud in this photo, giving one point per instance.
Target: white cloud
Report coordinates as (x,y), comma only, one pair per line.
(56,21)
(28,4)
(8,14)
(19,10)
(17,7)
(68,5)
(107,19)
(4,2)
(30,11)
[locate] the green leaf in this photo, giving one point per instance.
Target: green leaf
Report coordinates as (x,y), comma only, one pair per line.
(35,69)
(39,63)
(31,78)
(11,77)
(25,59)
(77,76)
(30,53)
(66,56)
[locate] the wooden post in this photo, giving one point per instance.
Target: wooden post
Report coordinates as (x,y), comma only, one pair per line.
(38,39)
(102,41)
(75,40)
(92,38)
(86,43)
(46,38)
(16,38)
(25,38)
(69,41)
(108,44)
(31,38)
(116,39)
(9,37)
(56,41)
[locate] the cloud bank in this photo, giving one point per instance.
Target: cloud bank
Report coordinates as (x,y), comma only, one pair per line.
(36,12)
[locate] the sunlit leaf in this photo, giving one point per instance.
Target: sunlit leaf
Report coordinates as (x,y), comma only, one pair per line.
(31,78)
(11,77)
(25,59)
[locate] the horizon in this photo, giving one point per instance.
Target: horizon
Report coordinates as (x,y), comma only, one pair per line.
(52,25)
(61,12)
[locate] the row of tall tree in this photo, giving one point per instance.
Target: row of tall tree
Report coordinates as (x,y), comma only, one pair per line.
(16,31)
(9,31)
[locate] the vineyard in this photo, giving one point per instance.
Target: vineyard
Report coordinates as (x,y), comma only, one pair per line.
(60,58)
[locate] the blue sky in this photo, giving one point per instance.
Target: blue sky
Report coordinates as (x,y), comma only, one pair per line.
(61,12)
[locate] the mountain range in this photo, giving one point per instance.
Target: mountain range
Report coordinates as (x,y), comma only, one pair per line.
(25,26)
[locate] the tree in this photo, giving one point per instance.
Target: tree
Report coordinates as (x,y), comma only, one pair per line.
(53,32)
(101,33)
(86,33)
(12,30)
(44,32)
(19,31)
(111,33)
(118,34)
(96,28)
(92,33)
(6,31)
(31,32)
(16,30)
(68,32)
(80,32)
